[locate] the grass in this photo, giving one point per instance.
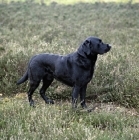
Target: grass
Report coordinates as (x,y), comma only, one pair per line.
(28,28)
(72,1)
(107,122)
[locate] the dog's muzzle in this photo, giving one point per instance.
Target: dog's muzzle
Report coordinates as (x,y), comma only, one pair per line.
(108,48)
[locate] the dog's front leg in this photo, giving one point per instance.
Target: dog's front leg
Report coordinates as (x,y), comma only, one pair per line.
(76,90)
(82,96)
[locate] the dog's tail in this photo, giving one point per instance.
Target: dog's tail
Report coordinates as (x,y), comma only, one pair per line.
(23,79)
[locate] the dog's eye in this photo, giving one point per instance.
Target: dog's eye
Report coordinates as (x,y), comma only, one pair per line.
(100,41)
(98,45)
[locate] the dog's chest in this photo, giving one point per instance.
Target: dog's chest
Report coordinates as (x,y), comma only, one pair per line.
(90,73)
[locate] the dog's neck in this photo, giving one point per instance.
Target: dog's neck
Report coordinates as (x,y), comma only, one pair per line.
(92,57)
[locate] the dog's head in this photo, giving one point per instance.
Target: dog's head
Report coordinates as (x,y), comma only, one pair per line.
(93,46)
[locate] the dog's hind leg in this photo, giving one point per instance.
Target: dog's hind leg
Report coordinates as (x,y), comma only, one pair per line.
(33,86)
(47,80)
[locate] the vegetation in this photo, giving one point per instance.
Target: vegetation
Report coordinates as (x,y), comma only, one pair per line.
(28,28)
(59,122)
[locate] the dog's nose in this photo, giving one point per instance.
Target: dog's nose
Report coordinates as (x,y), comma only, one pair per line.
(108,46)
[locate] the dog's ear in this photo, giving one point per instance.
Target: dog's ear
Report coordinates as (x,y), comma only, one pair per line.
(86,42)
(86,47)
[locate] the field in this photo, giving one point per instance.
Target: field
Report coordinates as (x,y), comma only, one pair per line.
(31,27)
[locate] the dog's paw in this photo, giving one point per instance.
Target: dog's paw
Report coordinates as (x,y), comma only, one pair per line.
(49,101)
(32,103)
(84,106)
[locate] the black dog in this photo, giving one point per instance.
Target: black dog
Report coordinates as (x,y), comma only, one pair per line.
(75,70)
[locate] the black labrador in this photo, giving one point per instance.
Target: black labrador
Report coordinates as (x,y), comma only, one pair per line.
(75,70)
